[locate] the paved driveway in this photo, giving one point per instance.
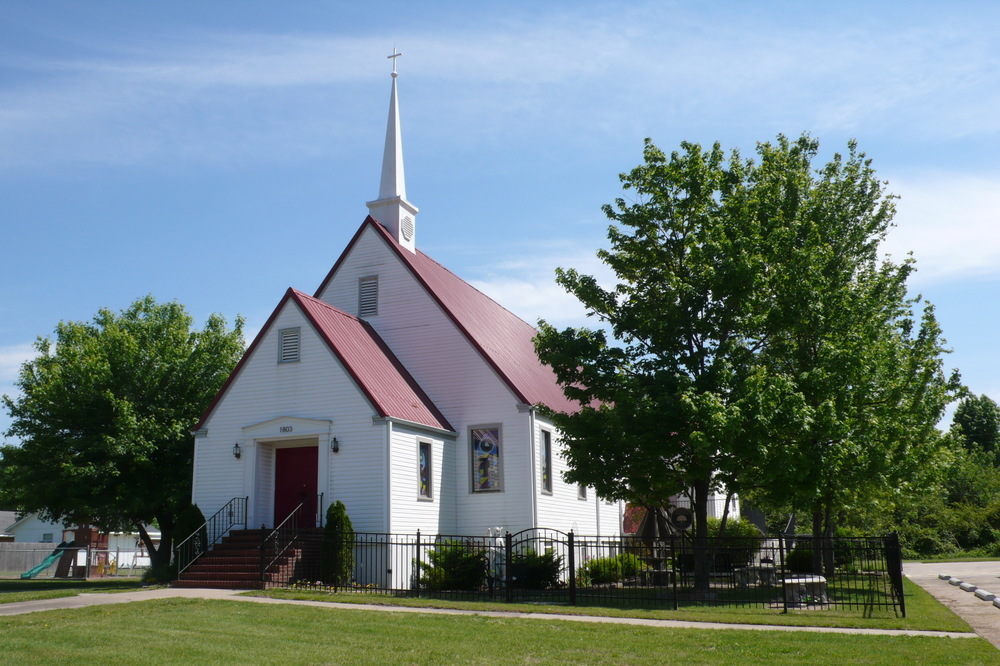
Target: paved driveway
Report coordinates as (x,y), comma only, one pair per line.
(982,615)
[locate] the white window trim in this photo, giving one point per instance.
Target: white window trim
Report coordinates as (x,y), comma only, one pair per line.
(472,459)
(581,492)
(546,459)
(429,497)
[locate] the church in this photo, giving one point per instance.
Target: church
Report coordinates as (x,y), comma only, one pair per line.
(399,389)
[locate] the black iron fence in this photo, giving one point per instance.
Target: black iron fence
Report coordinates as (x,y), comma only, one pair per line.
(205,537)
(549,566)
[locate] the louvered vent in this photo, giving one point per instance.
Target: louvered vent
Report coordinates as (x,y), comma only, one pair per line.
(408,228)
(368,297)
(288,351)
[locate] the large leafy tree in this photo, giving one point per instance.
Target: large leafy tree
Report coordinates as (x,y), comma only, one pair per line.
(105,414)
(977,420)
(852,368)
(758,340)
(660,406)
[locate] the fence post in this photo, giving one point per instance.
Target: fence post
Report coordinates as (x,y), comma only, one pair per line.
(674,569)
(781,570)
(894,563)
(417,564)
(572,569)
(507,561)
(336,556)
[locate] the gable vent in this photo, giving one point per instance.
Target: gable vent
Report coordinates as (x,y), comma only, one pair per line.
(368,297)
(288,349)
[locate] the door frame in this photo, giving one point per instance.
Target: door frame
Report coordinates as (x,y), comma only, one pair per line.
(282,432)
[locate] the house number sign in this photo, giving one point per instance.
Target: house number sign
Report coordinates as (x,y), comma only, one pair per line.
(286,429)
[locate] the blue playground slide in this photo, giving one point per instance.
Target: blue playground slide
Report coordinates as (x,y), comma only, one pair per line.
(47,562)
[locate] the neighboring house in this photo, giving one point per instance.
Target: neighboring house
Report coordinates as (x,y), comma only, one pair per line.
(7,518)
(31,528)
(399,389)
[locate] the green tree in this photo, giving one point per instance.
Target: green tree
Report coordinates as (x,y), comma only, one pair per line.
(759,342)
(977,420)
(105,415)
(852,383)
(660,407)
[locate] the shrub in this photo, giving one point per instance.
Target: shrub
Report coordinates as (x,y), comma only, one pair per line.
(800,560)
(189,520)
(740,542)
(453,565)
(536,572)
(607,570)
(338,546)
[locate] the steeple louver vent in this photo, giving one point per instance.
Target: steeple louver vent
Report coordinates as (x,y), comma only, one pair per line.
(289,346)
(368,296)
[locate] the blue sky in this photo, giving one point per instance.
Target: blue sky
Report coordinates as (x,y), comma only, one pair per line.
(218,153)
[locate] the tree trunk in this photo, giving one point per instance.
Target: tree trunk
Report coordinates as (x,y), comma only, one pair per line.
(159,556)
(817,538)
(702,558)
(829,564)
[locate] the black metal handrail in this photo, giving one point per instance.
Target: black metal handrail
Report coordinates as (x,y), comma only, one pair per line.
(274,544)
(211,532)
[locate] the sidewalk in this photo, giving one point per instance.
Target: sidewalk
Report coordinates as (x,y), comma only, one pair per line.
(85,600)
(982,615)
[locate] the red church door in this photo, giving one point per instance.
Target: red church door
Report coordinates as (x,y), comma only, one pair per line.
(295,471)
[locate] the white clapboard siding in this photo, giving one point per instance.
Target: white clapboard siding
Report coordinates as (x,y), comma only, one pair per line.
(409,511)
(563,509)
(454,375)
(316,387)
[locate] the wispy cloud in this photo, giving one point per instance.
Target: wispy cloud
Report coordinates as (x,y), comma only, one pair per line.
(951,223)
(606,70)
(11,359)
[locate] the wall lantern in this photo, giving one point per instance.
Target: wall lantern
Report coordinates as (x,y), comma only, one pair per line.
(335,445)
(237,451)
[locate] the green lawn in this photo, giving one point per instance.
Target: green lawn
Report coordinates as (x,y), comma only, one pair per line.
(50,588)
(196,631)
(923,611)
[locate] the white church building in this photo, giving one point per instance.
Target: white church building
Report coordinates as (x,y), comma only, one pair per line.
(399,389)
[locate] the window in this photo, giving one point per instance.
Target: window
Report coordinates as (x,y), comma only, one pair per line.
(486,472)
(546,462)
(368,296)
(288,345)
(424,475)
(581,492)
(47,537)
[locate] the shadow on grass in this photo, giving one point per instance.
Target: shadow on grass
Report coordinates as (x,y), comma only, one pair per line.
(71,584)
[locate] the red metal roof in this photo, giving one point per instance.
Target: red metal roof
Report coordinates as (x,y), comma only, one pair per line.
(376,371)
(504,340)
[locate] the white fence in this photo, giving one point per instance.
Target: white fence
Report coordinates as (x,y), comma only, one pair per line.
(18,558)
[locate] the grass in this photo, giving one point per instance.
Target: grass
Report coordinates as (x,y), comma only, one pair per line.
(923,611)
(50,588)
(188,631)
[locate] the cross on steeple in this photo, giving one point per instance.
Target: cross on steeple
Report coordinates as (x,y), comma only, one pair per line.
(393,58)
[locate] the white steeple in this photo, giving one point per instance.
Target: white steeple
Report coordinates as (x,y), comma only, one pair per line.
(391,208)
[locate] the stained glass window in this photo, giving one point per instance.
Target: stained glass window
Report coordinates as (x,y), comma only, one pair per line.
(486,459)
(546,461)
(424,480)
